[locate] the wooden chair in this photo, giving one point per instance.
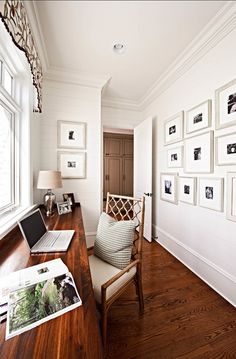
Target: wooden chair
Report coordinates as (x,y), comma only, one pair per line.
(110,282)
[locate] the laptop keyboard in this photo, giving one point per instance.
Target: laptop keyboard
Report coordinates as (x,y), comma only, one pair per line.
(49,240)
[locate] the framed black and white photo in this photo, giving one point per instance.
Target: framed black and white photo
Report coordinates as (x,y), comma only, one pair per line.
(169,187)
(226,105)
(69,197)
(63,207)
(173,128)
(199,117)
(175,157)
(198,153)
(231,196)
(72,164)
(71,134)
(226,149)
(187,190)
(211,193)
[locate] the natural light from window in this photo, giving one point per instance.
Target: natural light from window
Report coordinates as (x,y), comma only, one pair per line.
(7,82)
(6,159)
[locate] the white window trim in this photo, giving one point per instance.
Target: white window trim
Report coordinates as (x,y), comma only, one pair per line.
(22,106)
(9,220)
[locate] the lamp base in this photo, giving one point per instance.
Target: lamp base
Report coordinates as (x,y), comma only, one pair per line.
(49,202)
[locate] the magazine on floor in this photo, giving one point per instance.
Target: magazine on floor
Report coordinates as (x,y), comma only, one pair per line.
(38,294)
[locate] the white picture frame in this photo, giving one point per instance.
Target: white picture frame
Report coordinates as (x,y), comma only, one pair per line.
(231,196)
(211,193)
(187,190)
(173,128)
(225,149)
(169,188)
(198,153)
(175,157)
(198,117)
(72,164)
(225,105)
(63,207)
(71,135)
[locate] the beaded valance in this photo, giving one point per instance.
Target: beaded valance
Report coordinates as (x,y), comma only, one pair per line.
(14,17)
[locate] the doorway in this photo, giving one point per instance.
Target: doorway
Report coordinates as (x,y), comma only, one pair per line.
(117,164)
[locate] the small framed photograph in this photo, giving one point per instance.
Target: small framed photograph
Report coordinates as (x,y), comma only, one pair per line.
(187,190)
(226,105)
(63,207)
(169,187)
(198,153)
(173,128)
(175,157)
(72,164)
(211,193)
(231,196)
(199,117)
(226,149)
(69,197)
(71,134)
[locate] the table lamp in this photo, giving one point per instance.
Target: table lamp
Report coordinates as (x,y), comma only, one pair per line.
(49,180)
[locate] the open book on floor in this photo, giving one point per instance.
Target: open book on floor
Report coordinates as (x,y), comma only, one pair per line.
(38,294)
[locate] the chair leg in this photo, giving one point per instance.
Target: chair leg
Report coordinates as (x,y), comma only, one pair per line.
(139,290)
(104,327)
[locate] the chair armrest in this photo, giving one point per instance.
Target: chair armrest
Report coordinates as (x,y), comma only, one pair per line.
(118,275)
(90,250)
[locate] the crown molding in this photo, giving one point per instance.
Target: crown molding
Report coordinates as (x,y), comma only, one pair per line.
(60,74)
(220,26)
(32,13)
(120,103)
(53,73)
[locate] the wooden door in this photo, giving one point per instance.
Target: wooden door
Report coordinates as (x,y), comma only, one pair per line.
(128,147)
(127,177)
(112,146)
(112,175)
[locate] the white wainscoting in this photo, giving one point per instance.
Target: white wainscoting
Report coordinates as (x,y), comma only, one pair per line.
(217,278)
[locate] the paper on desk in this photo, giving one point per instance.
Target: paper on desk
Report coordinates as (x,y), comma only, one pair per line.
(30,276)
(37,303)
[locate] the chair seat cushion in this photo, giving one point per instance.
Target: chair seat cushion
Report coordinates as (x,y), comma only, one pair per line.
(101,272)
(114,240)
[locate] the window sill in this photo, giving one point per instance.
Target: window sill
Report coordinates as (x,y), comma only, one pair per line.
(9,221)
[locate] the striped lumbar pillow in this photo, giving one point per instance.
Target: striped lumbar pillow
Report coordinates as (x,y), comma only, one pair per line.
(114,241)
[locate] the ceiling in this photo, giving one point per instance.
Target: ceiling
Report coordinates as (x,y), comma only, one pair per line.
(79,36)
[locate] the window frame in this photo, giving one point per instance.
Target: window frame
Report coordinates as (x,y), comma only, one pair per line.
(8,102)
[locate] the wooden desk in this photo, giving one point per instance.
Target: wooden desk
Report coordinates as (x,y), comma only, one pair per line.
(72,335)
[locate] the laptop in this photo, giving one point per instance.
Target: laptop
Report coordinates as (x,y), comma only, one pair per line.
(39,239)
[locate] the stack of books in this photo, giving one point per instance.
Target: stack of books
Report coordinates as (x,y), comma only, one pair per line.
(34,295)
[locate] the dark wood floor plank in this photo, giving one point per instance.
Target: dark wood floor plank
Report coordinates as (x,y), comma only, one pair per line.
(183,318)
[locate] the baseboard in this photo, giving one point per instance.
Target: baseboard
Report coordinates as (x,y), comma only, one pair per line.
(217,278)
(90,239)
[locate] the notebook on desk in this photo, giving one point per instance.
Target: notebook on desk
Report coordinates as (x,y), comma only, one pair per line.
(39,239)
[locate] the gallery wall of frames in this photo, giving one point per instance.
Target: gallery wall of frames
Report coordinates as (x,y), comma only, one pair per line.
(72,139)
(200,154)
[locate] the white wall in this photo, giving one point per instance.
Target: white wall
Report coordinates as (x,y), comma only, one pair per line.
(35,146)
(202,238)
(120,118)
(70,102)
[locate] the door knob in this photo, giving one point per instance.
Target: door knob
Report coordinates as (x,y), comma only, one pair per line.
(148,194)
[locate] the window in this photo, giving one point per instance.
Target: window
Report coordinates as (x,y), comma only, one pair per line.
(7,80)
(7,158)
(9,179)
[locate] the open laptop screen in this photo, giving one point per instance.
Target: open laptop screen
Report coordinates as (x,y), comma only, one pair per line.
(33,227)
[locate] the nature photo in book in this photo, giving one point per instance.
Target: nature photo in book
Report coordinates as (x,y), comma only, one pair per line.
(40,302)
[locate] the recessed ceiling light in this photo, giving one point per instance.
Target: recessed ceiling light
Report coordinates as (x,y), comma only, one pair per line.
(119,48)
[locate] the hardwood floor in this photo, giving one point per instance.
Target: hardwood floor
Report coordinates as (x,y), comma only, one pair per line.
(183,318)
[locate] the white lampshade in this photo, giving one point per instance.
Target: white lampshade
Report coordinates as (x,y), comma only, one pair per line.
(49,180)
